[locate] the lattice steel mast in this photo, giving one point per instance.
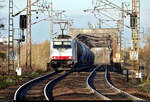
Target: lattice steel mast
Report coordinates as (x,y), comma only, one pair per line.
(10,40)
(135,25)
(121,30)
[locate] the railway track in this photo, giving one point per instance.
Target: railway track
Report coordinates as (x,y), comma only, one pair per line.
(72,85)
(90,84)
(33,89)
(49,86)
(106,90)
(61,88)
(41,87)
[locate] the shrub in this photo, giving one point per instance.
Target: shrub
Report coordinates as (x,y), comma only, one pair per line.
(2,56)
(5,81)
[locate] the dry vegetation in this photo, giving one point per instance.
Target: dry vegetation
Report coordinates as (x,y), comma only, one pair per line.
(145,55)
(145,61)
(3,58)
(40,56)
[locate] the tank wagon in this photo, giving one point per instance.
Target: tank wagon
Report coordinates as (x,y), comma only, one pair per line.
(66,52)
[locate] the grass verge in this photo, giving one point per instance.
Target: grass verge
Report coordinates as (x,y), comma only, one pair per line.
(145,87)
(6,81)
(2,97)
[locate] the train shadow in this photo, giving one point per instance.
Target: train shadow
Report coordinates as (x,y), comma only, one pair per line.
(113,69)
(84,68)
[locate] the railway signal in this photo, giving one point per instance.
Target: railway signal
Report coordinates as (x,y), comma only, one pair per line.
(22,27)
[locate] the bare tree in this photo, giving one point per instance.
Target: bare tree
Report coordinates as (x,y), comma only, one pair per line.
(145,54)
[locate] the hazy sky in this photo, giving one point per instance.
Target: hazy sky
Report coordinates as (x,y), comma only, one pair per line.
(74,8)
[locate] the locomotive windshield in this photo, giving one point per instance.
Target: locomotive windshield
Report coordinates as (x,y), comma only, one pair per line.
(62,44)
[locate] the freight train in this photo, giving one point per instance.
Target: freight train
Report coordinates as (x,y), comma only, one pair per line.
(66,52)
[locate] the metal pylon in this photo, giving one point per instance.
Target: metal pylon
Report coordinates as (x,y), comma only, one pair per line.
(136,30)
(28,37)
(135,42)
(10,40)
(121,30)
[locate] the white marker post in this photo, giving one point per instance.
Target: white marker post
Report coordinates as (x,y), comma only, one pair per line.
(18,69)
(19,72)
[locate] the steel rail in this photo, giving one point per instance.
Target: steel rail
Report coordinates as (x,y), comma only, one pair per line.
(50,85)
(22,90)
(89,83)
(117,89)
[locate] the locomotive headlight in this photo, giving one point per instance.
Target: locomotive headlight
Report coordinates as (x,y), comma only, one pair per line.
(54,57)
(70,57)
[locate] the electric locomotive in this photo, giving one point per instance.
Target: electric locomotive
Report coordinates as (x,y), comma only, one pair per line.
(61,52)
(66,52)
